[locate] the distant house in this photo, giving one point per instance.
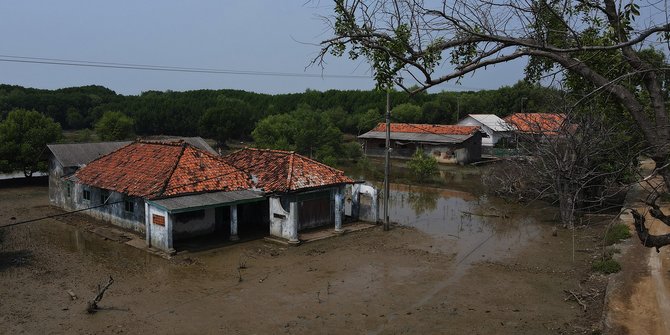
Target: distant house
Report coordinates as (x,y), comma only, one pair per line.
(536,124)
(302,193)
(172,191)
(447,143)
(494,127)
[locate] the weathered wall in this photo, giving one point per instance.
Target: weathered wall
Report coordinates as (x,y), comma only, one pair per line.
(280,219)
(194,223)
(58,186)
(159,222)
(114,212)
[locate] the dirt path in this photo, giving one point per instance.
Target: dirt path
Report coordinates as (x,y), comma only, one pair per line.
(639,298)
(371,282)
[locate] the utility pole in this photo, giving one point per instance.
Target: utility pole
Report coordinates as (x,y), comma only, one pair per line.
(387,163)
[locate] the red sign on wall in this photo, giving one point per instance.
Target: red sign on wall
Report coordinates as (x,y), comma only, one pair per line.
(158,219)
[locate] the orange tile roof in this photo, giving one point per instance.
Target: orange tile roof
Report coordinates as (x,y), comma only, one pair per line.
(284,171)
(441,129)
(537,123)
(161,169)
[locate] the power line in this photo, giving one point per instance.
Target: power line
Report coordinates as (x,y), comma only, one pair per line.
(145,67)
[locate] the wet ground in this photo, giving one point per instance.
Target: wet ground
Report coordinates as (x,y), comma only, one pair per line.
(458,262)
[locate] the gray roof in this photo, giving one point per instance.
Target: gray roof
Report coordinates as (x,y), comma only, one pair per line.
(80,154)
(193,202)
(416,137)
(197,142)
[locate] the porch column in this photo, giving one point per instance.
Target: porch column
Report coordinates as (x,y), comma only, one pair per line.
(233,223)
(338,210)
(168,230)
(293,222)
(147,224)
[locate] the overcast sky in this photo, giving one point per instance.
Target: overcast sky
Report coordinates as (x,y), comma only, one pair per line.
(254,35)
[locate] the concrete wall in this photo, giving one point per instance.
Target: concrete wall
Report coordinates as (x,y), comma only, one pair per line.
(58,186)
(283,221)
(115,212)
(159,224)
(465,152)
(195,223)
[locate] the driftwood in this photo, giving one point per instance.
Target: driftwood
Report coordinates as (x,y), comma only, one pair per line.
(93,304)
(648,240)
(72,295)
(486,215)
(656,211)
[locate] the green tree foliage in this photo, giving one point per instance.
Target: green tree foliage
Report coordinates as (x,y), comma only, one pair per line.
(24,135)
(305,130)
(407,113)
(423,166)
(114,126)
(231,118)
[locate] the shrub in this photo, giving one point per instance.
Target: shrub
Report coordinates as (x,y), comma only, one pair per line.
(607,266)
(422,166)
(617,233)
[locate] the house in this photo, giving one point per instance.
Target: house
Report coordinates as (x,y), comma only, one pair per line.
(302,193)
(536,124)
(167,190)
(494,127)
(172,191)
(447,143)
(65,159)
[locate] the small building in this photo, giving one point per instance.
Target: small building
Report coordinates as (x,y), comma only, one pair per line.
(302,193)
(65,159)
(495,128)
(536,125)
(447,143)
(172,191)
(167,190)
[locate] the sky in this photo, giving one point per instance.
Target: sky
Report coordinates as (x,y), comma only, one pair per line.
(253,35)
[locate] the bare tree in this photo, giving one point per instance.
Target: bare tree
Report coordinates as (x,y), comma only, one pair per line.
(600,42)
(572,159)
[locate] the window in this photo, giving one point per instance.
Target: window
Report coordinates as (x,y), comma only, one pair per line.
(129,205)
(68,188)
(104,196)
(87,195)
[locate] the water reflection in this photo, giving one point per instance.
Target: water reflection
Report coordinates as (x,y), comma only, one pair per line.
(462,222)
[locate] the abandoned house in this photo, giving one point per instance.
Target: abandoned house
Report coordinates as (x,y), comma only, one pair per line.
(66,159)
(495,127)
(172,191)
(302,193)
(533,126)
(447,143)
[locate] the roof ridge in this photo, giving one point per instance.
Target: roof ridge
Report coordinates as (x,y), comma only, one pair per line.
(290,170)
(184,145)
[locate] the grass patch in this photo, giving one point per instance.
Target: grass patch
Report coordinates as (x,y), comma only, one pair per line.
(617,233)
(607,266)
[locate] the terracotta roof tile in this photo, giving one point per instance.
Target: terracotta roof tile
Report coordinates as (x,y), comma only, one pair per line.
(284,171)
(545,123)
(439,129)
(160,169)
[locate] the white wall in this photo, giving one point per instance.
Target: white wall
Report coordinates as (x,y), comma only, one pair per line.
(159,235)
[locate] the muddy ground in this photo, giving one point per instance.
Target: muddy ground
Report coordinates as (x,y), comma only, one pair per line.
(373,282)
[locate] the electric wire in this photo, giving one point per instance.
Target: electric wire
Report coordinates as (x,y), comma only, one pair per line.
(146,67)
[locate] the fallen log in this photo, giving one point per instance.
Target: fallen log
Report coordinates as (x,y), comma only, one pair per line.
(647,239)
(92,306)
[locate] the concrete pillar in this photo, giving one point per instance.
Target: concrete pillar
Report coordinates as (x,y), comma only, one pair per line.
(355,201)
(293,222)
(338,210)
(233,223)
(147,224)
(168,231)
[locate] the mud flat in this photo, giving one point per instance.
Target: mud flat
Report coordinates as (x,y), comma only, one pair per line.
(493,270)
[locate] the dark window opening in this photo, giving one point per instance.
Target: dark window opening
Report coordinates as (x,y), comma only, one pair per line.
(69,189)
(129,205)
(104,196)
(87,195)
